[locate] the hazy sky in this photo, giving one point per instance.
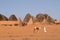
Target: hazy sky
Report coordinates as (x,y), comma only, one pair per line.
(21,7)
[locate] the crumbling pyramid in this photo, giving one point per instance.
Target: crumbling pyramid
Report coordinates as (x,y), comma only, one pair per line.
(3,18)
(12,18)
(29,17)
(45,18)
(26,19)
(40,17)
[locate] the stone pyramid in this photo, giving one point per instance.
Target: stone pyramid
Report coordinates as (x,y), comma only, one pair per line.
(45,18)
(3,18)
(12,18)
(40,17)
(26,19)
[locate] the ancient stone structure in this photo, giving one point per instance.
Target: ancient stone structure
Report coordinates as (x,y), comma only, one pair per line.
(12,18)
(3,18)
(26,19)
(29,19)
(40,17)
(45,18)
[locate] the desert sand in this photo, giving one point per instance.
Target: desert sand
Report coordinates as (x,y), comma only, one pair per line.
(13,30)
(28,33)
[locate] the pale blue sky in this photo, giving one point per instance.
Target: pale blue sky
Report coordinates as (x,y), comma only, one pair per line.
(21,7)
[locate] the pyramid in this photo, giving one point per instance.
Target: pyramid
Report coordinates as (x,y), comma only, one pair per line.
(12,18)
(26,19)
(45,18)
(50,20)
(40,17)
(3,18)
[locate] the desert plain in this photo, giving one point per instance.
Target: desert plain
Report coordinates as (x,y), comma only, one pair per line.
(32,31)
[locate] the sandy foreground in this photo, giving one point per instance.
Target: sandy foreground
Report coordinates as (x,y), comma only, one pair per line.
(28,33)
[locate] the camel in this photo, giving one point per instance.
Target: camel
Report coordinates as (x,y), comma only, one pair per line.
(36,29)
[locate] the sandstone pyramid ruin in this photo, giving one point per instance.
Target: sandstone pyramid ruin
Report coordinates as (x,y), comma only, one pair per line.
(49,19)
(3,18)
(45,18)
(29,18)
(26,19)
(42,18)
(12,18)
